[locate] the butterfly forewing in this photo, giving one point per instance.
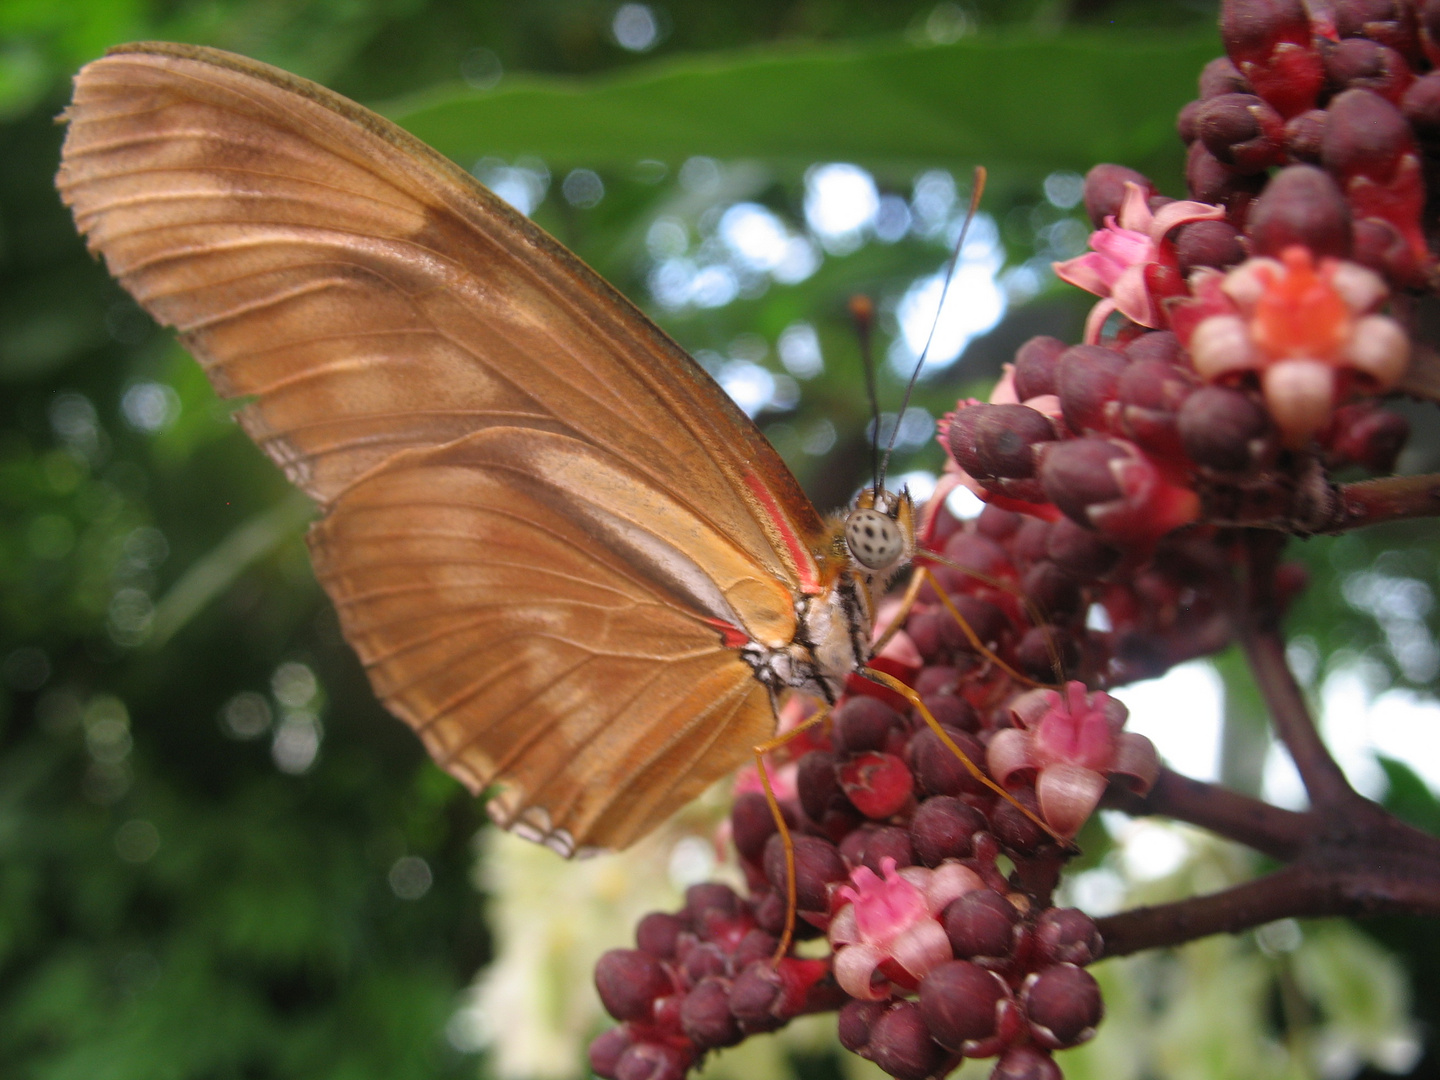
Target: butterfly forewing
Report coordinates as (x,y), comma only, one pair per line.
(538,509)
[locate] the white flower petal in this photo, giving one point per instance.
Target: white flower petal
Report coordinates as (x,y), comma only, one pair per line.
(1221,344)
(854,966)
(922,947)
(1380,349)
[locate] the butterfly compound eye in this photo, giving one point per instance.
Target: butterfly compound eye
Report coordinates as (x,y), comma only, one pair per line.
(874,539)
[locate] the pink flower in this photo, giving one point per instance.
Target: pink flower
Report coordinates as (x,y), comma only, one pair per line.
(1306,328)
(1074,743)
(888,935)
(1131,264)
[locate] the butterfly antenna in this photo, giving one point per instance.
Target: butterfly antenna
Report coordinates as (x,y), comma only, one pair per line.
(862,312)
(978,189)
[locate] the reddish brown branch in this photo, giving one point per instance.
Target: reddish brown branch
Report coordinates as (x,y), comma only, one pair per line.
(1314,505)
(1324,781)
(1264,647)
(1376,866)
(1246,820)
(1393,498)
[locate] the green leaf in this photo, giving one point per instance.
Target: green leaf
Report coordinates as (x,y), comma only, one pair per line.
(1408,796)
(1019,100)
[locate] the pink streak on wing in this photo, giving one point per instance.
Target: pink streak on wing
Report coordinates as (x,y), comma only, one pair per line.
(799,553)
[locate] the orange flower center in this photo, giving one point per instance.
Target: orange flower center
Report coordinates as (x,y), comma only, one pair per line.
(1300,314)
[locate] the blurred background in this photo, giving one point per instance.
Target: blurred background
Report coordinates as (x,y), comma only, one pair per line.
(220,858)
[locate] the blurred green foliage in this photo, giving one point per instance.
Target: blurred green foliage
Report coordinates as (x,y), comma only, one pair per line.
(218,856)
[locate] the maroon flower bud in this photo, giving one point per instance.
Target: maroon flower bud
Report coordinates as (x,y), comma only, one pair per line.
(1421,107)
(855,1021)
(981,924)
(1080,552)
(1068,936)
(1389,22)
(1211,180)
(1384,249)
(1030,541)
(703,960)
(927,631)
(937,770)
(1430,25)
(1064,1005)
(817,865)
(986,621)
(754,995)
(816,783)
(1005,437)
(958,1000)
(1185,120)
(706,1018)
(951,710)
(1150,394)
(1026,1062)
(605,1051)
(901,1045)
(1157,345)
(1301,205)
(653,1061)
(751,824)
(1241,131)
(711,896)
(887,842)
(1046,653)
(997,524)
(1305,135)
(878,785)
(862,723)
(1366,136)
(1105,190)
(656,934)
(1077,475)
(765,995)
(757,944)
(1358,62)
(1224,429)
(1051,589)
(944,828)
(1270,43)
(1085,379)
(1368,435)
(629,981)
(960,438)
(1207,243)
(1035,366)
(936,680)
(1221,76)
(1015,830)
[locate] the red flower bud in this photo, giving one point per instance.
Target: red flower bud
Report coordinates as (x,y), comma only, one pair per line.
(1105,190)
(1063,1004)
(1242,131)
(1301,205)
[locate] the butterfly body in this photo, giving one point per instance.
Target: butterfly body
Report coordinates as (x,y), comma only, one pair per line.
(566,558)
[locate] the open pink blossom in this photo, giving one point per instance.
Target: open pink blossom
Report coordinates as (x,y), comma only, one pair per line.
(888,935)
(1307,329)
(1132,265)
(1073,743)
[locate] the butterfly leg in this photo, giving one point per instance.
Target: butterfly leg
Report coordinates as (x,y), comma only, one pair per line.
(924,574)
(791,896)
(909,694)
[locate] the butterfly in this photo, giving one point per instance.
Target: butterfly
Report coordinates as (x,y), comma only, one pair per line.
(564,555)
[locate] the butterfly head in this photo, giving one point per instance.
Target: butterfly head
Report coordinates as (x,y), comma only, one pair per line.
(880,532)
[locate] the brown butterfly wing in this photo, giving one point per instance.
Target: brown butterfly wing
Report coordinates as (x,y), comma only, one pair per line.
(443,377)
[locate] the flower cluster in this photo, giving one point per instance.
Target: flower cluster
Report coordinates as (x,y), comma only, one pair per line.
(1235,360)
